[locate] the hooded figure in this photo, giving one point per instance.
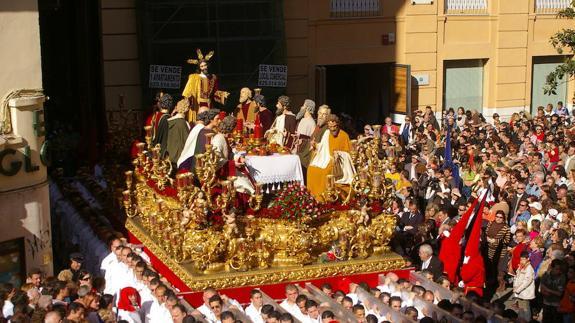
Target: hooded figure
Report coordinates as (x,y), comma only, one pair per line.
(129,305)
(165,103)
(178,130)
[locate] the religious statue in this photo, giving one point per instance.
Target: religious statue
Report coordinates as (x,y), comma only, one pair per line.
(284,125)
(202,88)
(230,226)
(362,216)
(247,108)
(186,217)
(329,154)
(196,215)
(178,130)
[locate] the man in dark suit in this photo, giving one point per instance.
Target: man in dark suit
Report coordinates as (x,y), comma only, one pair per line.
(430,262)
(516,200)
(410,220)
(407,226)
(455,201)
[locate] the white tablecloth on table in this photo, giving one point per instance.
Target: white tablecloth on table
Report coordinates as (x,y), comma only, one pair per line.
(275,168)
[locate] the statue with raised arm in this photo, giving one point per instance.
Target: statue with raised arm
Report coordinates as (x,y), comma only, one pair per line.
(202,88)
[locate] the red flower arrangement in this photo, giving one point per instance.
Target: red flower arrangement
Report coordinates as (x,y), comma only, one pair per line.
(293,203)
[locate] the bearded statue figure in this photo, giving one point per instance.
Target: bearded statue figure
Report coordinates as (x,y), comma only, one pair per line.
(247,108)
(306,149)
(202,87)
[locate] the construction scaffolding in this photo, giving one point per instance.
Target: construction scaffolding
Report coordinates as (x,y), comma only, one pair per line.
(243,33)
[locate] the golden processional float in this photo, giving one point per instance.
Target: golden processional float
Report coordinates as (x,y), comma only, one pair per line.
(191,223)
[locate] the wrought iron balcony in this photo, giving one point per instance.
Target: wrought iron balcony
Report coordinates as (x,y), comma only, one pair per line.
(355,8)
(466,7)
(551,6)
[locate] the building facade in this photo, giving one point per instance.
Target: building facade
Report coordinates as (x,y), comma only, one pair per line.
(367,58)
(25,234)
(488,55)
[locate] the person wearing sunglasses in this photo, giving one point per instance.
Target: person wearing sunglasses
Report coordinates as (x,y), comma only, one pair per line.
(522,213)
(76,260)
(516,200)
(85,278)
(498,238)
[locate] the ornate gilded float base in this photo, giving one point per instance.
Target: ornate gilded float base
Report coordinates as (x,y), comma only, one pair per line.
(199,281)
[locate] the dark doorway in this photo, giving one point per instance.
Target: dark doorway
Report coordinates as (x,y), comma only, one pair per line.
(72,79)
(366,92)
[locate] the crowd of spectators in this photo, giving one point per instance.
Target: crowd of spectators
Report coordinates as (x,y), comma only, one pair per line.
(527,164)
(126,289)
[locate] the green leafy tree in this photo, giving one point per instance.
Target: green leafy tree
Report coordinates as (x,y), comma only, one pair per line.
(564,43)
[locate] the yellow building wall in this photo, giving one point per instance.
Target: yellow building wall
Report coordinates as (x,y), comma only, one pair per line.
(506,37)
(20,57)
(24,200)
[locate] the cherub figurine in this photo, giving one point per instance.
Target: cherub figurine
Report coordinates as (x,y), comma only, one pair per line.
(186,216)
(196,214)
(361,217)
(263,254)
(200,207)
(230,225)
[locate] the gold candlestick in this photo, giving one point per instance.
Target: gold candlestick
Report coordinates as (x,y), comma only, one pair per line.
(258,189)
(129,175)
(181,181)
(128,206)
(141,156)
(160,204)
(330,181)
(148,130)
(376,131)
(330,194)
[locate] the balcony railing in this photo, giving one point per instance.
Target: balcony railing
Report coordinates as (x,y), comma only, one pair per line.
(355,8)
(466,7)
(551,6)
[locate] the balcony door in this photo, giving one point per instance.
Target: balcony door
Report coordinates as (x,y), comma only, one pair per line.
(542,66)
(463,84)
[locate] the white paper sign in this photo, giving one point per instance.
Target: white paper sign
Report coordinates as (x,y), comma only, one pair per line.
(272,75)
(422,79)
(165,77)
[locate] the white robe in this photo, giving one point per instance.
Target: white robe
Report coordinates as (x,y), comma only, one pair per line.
(117,277)
(323,157)
(108,261)
(207,313)
(130,317)
(254,314)
(8,309)
(159,313)
(277,130)
(306,127)
(147,299)
(242,183)
(190,145)
(293,309)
